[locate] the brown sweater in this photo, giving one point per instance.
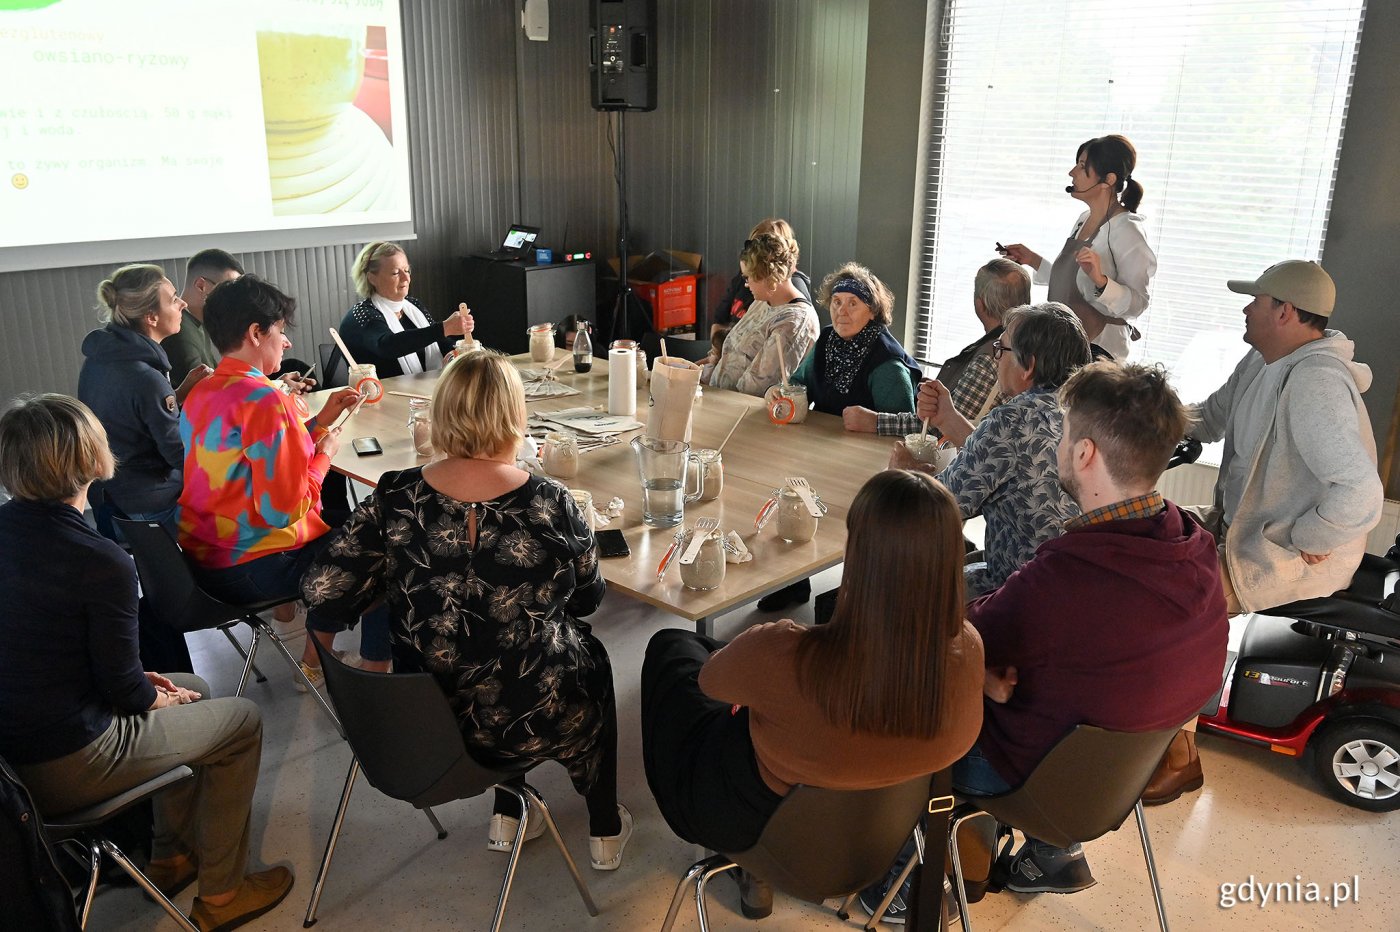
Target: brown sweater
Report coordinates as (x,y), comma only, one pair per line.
(795,742)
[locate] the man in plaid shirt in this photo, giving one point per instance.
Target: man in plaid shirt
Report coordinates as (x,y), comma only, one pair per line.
(971,375)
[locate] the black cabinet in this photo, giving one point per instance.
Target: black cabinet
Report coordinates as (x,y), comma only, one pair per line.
(508,297)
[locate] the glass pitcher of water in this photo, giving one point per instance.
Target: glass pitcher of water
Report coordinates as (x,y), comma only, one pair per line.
(663,465)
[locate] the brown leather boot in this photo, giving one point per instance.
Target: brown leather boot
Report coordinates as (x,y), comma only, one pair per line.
(1179,772)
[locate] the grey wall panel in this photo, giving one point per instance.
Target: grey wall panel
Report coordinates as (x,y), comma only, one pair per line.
(760,109)
(759,113)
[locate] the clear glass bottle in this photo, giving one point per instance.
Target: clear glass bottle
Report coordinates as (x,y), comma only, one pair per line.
(583,348)
(420,426)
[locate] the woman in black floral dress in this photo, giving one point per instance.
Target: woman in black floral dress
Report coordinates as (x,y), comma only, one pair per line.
(486,570)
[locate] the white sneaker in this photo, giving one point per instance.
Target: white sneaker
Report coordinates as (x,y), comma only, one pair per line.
(605,851)
(500,836)
(294,627)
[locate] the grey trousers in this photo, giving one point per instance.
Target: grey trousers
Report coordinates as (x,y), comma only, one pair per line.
(206,817)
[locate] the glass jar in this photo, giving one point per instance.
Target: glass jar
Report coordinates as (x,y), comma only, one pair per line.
(364,378)
(584,500)
(541,342)
(706,571)
(711,466)
(796,524)
(789,404)
(923,448)
(560,455)
(420,426)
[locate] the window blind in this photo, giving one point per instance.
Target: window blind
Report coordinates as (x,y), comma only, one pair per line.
(1236,108)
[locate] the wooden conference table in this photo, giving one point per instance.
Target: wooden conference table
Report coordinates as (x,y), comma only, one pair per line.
(756,460)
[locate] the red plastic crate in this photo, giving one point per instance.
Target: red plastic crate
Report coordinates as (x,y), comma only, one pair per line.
(672,303)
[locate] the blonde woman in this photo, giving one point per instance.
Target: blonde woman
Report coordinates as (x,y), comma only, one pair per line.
(486,570)
(388,329)
(780,326)
(735,301)
(81,720)
(125,380)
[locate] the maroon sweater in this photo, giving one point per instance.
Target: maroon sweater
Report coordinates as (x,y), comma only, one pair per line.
(1120,625)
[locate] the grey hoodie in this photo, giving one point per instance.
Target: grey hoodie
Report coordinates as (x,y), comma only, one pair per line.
(1311,484)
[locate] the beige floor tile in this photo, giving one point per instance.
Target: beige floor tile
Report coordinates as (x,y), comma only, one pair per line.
(1259,815)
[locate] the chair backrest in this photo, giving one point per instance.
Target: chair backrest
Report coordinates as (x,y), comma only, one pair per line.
(334,369)
(403,733)
(32,889)
(827,843)
(1085,787)
(166,580)
(692,350)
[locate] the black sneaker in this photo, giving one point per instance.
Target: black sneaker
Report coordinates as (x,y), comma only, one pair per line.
(871,896)
(1042,868)
(795,594)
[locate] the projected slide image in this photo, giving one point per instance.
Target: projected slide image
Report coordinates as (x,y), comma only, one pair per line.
(324,153)
(287,117)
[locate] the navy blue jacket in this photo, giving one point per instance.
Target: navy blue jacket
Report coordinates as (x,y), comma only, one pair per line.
(68,638)
(823,393)
(370,340)
(126,382)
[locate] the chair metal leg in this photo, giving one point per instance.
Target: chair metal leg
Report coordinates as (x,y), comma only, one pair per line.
(723,864)
(320,884)
(692,878)
(95,868)
(437,826)
(261,627)
(258,674)
(515,850)
(893,891)
(959,885)
(249,657)
(1151,866)
(535,798)
(116,854)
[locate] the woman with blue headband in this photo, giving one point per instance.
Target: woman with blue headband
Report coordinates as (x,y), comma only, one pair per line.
(856,360)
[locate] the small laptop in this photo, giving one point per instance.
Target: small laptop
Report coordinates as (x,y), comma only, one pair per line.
(516,244)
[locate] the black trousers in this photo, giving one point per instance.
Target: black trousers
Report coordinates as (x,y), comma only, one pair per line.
(698,755)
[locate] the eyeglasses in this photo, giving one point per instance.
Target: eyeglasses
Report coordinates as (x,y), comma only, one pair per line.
(999,347)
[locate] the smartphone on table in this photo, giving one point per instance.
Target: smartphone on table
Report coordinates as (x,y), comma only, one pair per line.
(613,544)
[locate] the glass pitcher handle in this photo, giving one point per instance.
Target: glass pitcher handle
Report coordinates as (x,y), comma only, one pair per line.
(691,460)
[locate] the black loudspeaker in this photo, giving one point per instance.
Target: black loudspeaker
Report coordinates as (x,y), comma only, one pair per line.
(622,62)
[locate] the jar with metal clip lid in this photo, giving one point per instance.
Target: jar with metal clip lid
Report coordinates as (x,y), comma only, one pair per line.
(420,426)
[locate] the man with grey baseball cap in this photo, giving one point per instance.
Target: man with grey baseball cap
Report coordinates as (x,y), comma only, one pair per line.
(1298,488)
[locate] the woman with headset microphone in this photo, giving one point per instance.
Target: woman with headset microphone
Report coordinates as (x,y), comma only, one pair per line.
(1103,270)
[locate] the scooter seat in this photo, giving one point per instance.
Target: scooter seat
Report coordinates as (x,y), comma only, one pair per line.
(1368,606)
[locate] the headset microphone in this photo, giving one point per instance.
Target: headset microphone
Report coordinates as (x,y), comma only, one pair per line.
(1071,189)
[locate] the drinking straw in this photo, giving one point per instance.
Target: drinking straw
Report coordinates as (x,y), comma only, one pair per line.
(720,448)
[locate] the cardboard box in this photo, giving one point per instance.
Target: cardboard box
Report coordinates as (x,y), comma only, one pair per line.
(669,282)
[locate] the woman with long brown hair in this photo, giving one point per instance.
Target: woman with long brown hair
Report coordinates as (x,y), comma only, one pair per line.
(890,689)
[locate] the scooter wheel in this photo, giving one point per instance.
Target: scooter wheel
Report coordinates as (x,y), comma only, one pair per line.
(1358,762)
